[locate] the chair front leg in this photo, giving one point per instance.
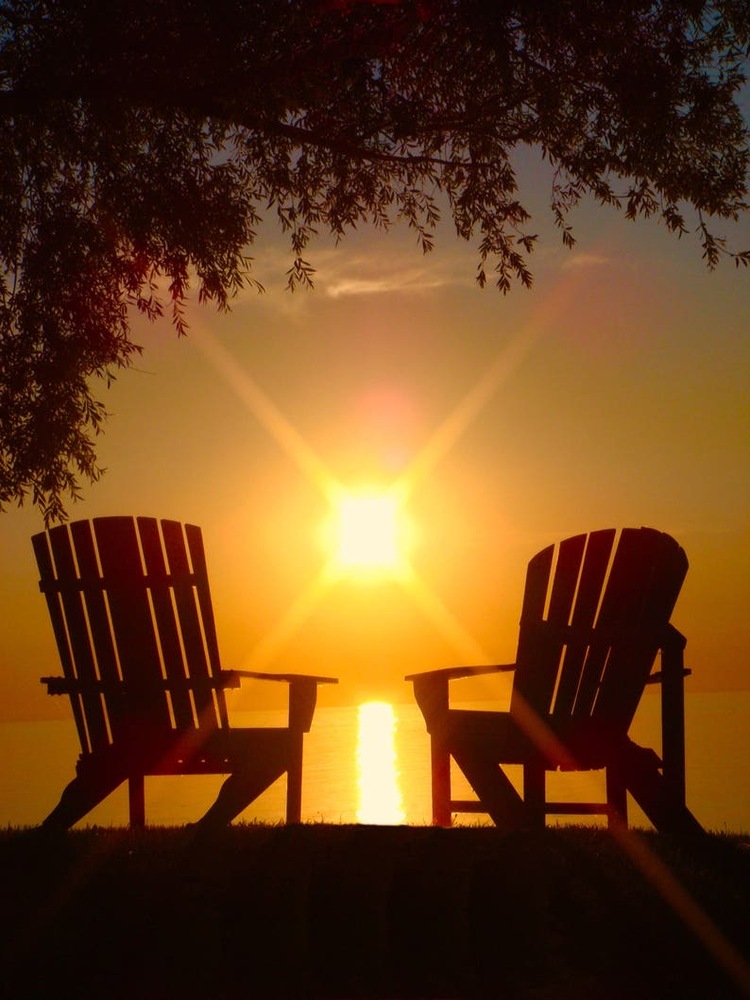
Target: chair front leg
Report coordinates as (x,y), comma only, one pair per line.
(673,717)
(534,793)
(617,799)
(294,779)
(441,782)
(137,801)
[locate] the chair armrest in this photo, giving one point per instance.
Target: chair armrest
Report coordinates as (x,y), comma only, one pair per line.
(303,694)
(288,678)
(453,673)
(431,689)
(672,647)
(672,679)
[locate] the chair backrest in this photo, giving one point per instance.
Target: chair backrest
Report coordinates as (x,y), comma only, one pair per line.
(132,616)
(595,612)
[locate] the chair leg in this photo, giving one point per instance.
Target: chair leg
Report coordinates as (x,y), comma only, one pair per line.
(294,782)
(617,798)
(494,789)
(79,797)
(241,788)
(137,801)
(534,793)
(651,791)
(441,783)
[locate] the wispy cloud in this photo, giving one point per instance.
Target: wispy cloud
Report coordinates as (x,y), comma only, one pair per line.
(414,280)
(580,260)
(391,265)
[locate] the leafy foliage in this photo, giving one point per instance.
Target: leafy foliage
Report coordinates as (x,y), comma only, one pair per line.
(142,142)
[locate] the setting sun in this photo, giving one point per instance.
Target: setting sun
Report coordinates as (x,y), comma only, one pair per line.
(369,533)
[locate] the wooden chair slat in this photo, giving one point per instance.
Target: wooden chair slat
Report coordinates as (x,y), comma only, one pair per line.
(662,564)
(614,616)
(565,579)
(194,538)
(80,640)
(533,685)
(101,632)
(166,623)
(133,625)
(593,572)
(54,606)
(190,623)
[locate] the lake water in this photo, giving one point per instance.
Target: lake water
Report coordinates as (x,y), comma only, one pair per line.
(372,766)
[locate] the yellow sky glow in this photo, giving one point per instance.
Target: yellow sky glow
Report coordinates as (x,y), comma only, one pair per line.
(612,394)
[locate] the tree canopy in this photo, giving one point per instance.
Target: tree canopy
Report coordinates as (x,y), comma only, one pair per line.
(143,142)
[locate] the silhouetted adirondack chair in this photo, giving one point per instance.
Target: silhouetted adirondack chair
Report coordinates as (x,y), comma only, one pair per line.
(595,613)
(132,615)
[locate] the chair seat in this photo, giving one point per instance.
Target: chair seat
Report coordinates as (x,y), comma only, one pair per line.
(565,745)
(219,752)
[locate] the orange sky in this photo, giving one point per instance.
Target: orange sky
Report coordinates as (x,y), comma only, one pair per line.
(614,393)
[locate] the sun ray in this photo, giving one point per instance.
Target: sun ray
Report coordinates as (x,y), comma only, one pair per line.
(283,432)
(445,622)
(507,361)
(268,648)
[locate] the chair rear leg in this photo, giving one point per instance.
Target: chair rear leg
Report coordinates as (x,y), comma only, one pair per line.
(137,801)
(534,793)
(617,798)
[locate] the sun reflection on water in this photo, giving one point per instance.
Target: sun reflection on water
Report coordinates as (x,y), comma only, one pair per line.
(380,799)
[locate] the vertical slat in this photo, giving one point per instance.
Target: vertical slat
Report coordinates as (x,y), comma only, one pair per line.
(53,598)
(161,597)
(532,685)
(570,553)
(562,666)
(133,625)
(593,572)
(200,571)
(189,620)
(80,641)
(101,632)
(611,623)
(643,595)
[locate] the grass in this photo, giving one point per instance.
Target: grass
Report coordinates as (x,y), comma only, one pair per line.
(364,911)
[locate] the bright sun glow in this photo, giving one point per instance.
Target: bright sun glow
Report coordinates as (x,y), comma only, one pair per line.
(377,765)
(369,534)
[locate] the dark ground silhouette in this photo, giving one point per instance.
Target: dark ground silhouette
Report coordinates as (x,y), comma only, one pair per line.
(360,911)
